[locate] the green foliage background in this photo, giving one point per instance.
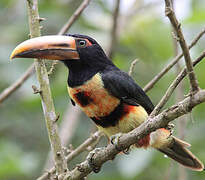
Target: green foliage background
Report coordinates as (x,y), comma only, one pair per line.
(145,35)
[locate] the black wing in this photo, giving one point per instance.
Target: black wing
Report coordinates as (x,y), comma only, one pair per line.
(122,86)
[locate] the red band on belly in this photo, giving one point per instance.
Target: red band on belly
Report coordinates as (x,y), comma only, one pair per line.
(144,142)
(126,110)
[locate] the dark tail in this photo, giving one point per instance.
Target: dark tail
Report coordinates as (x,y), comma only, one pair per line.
(178,151)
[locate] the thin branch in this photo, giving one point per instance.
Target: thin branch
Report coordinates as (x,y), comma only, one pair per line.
(113,33)
(132,66)
(171,64)
(68,124)
(46,97)
(173,85)
(74,17)
(83,147)
(180,37)
(12,88)
(66,130)
(8,91)
(137,8)
(94,138)
(126,140)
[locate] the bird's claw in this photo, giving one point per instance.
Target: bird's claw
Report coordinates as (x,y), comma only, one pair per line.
(126,151)
(170,127)
(89,158)
(115,141)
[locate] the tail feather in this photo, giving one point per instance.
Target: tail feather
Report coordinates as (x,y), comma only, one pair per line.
(178,151)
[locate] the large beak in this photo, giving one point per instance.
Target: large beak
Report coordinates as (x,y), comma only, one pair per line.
(47,47)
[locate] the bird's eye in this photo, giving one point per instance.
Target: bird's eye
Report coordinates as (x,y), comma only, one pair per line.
(81,43)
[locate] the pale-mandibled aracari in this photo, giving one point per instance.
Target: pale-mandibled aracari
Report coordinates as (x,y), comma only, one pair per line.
(107,95)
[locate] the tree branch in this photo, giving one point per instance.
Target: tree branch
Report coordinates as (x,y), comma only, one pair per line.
(46,98)
(74,17)
(180,37)
(126,140)
(151,84)
(173,85)
(132,66)
(66,130)
(94,138)
(8,91)
(113,33)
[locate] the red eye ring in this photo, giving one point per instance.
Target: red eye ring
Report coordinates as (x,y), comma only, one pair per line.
(88,43)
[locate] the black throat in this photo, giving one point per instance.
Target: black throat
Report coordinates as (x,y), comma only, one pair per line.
(79,73)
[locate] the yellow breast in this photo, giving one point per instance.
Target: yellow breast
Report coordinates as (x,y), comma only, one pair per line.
(93,99)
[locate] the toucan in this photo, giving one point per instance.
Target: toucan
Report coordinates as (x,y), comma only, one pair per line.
(107,95)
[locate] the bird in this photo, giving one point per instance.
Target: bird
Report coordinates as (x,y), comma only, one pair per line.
(106,94)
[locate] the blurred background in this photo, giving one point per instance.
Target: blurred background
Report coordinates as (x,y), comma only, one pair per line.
(143,32)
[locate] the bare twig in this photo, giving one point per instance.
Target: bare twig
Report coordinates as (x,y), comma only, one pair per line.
(74,17)
(173,85)
(68,124)
(177,26)
(113,33)
(132,66)
(126,140)
(8,91)
(66,130)
(94,138)
(35,89)
(46,98)
(171,64)
(52,68)
(88,142)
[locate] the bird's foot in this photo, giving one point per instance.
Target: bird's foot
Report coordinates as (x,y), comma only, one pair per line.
(89,158)
(126,151)
(170,127)
(115,141)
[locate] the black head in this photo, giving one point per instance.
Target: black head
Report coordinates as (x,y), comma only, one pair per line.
(90,53)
